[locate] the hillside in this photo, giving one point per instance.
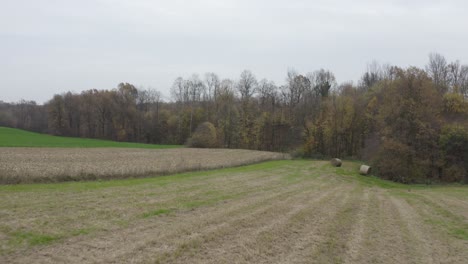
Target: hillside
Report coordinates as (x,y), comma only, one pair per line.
(11,137)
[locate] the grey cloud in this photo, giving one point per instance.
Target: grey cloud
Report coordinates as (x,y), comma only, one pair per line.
(52,46)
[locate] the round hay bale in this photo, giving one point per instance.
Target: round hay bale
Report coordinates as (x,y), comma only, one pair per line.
(335,162)
(365,170)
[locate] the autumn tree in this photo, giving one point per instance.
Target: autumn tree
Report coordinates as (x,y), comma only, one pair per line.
(374,73)
(227,115)
(407,127)
(57,116)
(25,115)
(454,146)
(322,81)
(210,95)
(247,86)
(439,72)
(204,136)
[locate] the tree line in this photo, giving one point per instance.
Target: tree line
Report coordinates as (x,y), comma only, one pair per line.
(411,124)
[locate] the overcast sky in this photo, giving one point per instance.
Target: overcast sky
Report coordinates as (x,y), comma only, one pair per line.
(54,46)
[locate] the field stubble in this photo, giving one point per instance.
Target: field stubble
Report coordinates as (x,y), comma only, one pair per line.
(274,212)
(35,165)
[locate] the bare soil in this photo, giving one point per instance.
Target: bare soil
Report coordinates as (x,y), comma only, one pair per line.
(276,212)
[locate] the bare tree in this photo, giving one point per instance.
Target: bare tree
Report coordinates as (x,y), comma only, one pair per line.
(196,88)
(226,86)
(227,114)
(464,81)
(458,77)
(212,83)
(322,81)
(438,71)
(298,85)
(247,85)
(374,73)
(266,91)
(147,98)
(180,90)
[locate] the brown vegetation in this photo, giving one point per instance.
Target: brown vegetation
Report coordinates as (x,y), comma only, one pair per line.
(204,136)
(279,212)
(26,165)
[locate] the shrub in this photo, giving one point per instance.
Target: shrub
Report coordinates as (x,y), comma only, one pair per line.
(453,173)
(454,103)
(454,145)
(204,136)
(398,162)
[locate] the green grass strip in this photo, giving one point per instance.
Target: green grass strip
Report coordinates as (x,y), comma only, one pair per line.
(11,137)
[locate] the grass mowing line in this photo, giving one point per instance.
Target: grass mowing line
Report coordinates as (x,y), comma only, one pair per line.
(157,212)
(407,235)
(370,222)
(283,192)
(452,223)
(218,196)
(286,193)
(198,184)
(338,229)
(289,229)
(193,204)
(32,238)
(455,225)
(234,218)
(11,137)
(190,247)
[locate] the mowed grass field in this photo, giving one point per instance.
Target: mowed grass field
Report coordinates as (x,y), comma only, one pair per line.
(11,137)
(285,211)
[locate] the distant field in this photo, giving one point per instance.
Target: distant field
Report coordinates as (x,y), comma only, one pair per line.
(274,212)
(27,165)
(10,137)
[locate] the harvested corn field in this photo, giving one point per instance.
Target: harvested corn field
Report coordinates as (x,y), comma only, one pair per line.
(273,212)
(26,165)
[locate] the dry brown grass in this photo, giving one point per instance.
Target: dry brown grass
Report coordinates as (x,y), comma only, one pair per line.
(33,165)
(275,212)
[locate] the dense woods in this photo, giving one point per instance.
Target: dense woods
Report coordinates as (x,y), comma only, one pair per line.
(410,124)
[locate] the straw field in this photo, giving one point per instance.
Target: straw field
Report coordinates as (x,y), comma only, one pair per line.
(34,165)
